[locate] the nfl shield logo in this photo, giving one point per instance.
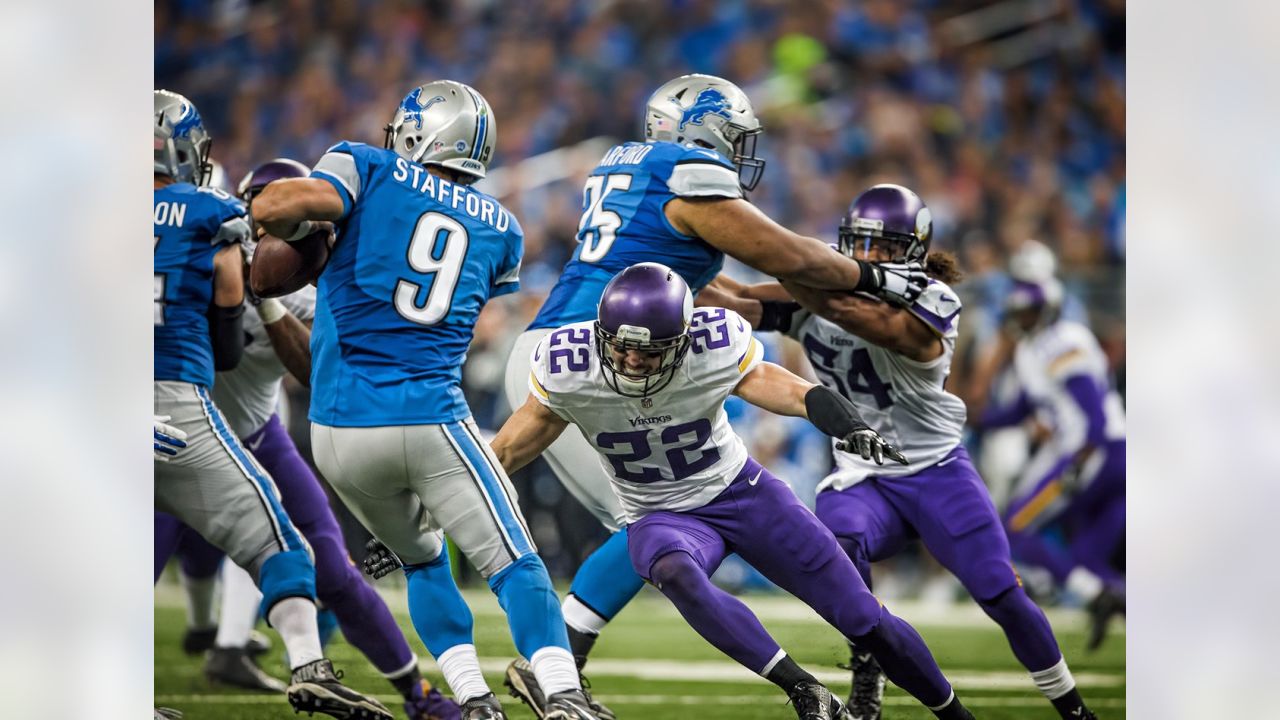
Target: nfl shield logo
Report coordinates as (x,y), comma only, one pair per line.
(646,403)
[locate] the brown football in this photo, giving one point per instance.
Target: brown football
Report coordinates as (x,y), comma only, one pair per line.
(280,267)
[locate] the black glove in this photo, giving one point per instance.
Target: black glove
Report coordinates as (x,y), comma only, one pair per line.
(380,561)
(898,283)
(867,442)
(776,315)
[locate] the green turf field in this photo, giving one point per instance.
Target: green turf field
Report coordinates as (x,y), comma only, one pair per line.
(649,664)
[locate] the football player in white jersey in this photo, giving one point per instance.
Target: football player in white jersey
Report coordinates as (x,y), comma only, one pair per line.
(892,362)
(645,383)
(1076,479)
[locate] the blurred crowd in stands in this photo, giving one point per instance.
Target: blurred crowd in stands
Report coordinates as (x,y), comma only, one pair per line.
(1007,117)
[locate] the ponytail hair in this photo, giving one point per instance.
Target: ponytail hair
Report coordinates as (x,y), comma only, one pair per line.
(943,267)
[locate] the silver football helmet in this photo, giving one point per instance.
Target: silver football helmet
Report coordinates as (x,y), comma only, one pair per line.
(444,123)
(181,142)
(711,112)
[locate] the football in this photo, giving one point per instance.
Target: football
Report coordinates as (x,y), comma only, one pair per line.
(280,268)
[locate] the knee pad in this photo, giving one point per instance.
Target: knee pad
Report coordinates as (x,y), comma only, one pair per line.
(526,574)
(285,575)
(676,571)
(990,579)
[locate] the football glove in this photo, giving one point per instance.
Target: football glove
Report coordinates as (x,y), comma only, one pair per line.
(897,283)
(380,561)
(867,442)
(169,440)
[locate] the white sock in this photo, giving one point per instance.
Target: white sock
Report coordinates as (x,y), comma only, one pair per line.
(580,617)
(240,601)
(461,669)
(200,593)
(1056,681)
(1084,584)
(555,669)
(295,619)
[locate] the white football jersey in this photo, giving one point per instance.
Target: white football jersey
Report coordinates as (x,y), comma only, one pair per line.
(903,400)
(673,450)
(1044,361)
(249,394)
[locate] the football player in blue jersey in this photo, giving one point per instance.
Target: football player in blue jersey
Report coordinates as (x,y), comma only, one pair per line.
(418,254)
(677,197)
(213,485)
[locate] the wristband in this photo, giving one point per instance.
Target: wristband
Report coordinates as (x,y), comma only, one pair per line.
(271,310)
(869,277)
(775,315)
(305,228)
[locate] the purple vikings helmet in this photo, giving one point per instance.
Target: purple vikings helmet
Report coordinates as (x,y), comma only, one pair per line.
(268,172)
(889,216)
(645,308)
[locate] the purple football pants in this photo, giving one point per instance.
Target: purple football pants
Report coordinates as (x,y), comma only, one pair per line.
(947,507)
(363,616)
(1093,519)
(759,518)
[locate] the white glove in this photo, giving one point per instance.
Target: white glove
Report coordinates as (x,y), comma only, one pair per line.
(900,283)
(169,440)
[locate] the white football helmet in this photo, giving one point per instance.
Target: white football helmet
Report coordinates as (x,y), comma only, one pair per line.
(444,123)
(711,112)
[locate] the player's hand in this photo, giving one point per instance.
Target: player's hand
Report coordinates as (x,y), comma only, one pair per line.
(900,283)
(169,440)
(380,561)
(868,443)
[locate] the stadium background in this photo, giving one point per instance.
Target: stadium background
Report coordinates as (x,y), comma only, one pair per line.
(1008,118)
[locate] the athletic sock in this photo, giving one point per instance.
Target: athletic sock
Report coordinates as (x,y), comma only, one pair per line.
(408,681)
(580,644)
(1071,706)
(241,601)
(1057,684)
(200,600)
(461,670)
(584,625)
(786,674)
(295,619)
(555,669)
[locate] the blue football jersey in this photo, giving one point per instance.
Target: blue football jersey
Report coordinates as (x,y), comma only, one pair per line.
(191,225)
(624,223)
(416,259)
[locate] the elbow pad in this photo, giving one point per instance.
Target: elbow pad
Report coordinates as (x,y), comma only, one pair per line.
(226,332)
(831,412)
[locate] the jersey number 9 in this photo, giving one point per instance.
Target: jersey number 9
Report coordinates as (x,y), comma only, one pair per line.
(437,248)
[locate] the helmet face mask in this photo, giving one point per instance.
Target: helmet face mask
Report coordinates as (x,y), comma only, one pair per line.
(642,329)
(710,112)
(444,123)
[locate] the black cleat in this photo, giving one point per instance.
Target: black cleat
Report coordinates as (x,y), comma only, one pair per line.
(524,687)
(569,705)
(195,642)
(813,701)
(316,689)
(866,692)
(601,711)
(1102,608)
(258,644)
(485,707)
(167,714)
(235,667)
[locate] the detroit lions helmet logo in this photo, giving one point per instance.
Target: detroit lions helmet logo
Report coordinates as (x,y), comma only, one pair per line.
(709,102)
(414,107)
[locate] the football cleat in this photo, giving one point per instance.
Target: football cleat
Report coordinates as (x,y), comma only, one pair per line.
(167,714)
(1102,608)
(235,666)
(195,642)
(813,701)
(428,704)
(524,687)
(316,689)
(569,705)
(866,693)
(485,707)
(258,644)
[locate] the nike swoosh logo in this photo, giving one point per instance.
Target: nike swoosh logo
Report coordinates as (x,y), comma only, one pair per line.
(946,462)
(755,479)
(253,446)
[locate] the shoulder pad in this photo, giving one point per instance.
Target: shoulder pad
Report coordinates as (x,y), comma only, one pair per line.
(938,306)
(699,172)
(722,348)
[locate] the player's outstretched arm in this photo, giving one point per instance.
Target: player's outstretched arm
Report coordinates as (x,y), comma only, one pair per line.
(226,315)
(778,390)
(524,435)
(284,208)
(890,327)
(766,306)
